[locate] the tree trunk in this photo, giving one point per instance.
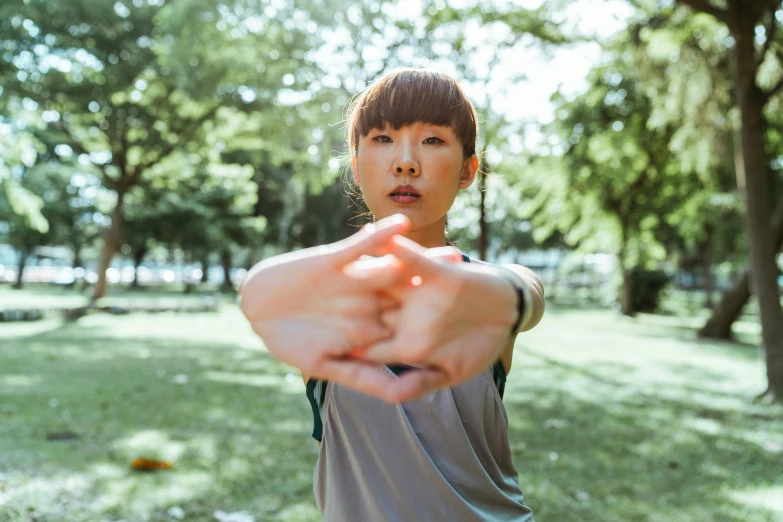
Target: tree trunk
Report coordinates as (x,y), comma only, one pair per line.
(76,262)
(626,293)
(709,276)
(23,255)
(483,239)
(77,257)
(734,299)
(225,262)
(204,271)
(752,182)
(626,296)
(728,310)
(138,257)
(112,238)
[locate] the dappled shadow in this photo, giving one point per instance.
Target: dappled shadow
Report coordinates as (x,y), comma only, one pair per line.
(615,452)
(234,422)
(593,440)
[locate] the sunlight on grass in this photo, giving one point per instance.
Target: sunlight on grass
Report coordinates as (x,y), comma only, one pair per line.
(139,495)
(289,383)
(18,330)
(610,420)
(768,498)
(152,444)
(19,381)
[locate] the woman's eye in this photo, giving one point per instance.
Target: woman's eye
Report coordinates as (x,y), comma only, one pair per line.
(433,141)
(382,138)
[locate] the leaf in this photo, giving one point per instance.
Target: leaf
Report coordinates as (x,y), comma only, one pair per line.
(144,464)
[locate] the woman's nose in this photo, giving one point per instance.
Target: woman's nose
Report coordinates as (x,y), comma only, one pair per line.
(407,167)
(406,163)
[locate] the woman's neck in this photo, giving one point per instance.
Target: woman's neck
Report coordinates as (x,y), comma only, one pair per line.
(430,236)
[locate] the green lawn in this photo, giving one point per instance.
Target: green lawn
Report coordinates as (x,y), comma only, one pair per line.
(612,420)
(44,296)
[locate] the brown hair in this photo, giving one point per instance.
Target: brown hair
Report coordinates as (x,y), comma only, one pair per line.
(408,95)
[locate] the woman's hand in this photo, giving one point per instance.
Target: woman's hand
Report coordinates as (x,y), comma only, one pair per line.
(453,318)
(310,313)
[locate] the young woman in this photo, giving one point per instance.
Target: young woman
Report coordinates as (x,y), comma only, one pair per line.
(404,342)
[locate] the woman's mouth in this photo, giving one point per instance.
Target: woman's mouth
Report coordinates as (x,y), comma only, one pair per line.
(405,195)
(404,198)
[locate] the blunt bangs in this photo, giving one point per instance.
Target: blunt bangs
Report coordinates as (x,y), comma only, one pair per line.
(407,96)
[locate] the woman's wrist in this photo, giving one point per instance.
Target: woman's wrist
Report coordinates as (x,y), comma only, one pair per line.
(520,301)
(518,297)
(523,300)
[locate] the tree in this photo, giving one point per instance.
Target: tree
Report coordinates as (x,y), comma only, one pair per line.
(18,151)
(745,20)
(125,86)
(203,207)
(618,175)
(50,182)
(684,64)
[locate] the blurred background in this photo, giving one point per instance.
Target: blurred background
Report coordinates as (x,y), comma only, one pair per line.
(151,151)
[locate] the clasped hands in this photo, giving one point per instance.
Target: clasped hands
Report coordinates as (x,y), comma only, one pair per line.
(342,311)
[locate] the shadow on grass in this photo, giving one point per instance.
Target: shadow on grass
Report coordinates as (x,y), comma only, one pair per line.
(620,453)
(235,423)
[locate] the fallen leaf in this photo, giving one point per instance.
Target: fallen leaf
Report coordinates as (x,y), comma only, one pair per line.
(142,464)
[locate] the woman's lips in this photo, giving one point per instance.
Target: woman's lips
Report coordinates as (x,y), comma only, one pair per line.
(404,199)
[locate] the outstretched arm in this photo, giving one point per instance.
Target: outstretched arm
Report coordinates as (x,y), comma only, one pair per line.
(533,289)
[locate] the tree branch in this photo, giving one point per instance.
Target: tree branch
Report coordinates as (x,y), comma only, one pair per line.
(705,6)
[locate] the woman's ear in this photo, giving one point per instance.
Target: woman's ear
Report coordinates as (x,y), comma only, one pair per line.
(469,170)
(355,167)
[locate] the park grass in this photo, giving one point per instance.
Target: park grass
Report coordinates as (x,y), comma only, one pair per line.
(611,420)
(46,296)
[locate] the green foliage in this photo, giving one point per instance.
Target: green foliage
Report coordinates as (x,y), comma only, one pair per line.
(616,167)
(18,151)
(199,209)
(67,204)
(135,83)
(133,88)
(685,64)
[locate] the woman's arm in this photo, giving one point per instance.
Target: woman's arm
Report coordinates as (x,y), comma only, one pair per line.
(534,290)
(531,286)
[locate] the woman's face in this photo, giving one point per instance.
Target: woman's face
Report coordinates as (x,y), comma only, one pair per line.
(421,159)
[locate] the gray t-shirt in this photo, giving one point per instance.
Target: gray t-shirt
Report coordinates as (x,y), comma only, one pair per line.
(443,457)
